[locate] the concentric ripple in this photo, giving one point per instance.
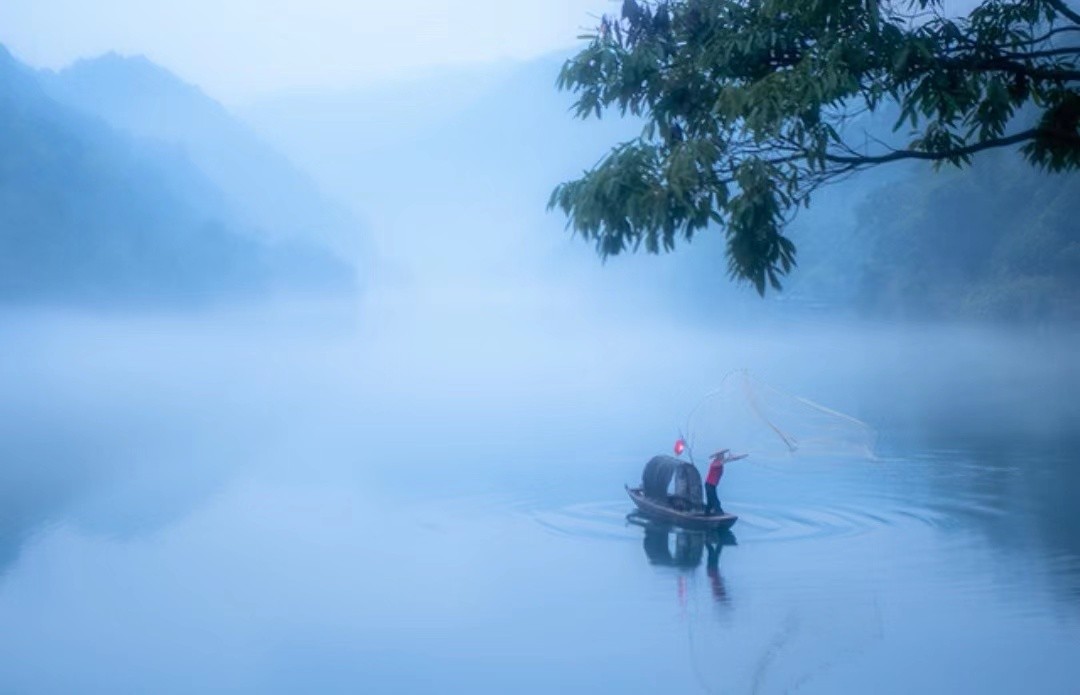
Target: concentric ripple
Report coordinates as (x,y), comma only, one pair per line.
(767,522)
(775,523)
(604,520)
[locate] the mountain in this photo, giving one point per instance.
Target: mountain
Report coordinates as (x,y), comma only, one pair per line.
(453,171)
(457,190)
(380,115)
(265,191)
(91,215)
(998,240)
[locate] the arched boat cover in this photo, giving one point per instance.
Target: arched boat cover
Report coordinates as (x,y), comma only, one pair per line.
(660,471)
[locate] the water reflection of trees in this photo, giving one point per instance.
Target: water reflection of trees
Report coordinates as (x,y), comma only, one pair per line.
(1018,492)
(104,482)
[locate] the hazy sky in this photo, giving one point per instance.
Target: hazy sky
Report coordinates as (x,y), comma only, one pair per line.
(238,48)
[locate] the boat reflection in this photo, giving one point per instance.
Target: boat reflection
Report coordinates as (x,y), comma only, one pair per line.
(688,551)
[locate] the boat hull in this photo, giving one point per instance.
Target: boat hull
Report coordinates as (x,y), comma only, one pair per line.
(690,520)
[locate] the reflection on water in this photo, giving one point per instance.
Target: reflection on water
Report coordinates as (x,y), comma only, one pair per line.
(186,512)
(689,547)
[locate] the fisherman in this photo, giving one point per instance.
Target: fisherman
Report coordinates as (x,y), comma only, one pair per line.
(716,471)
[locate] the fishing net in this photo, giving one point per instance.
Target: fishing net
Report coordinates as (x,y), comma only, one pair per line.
(748,416)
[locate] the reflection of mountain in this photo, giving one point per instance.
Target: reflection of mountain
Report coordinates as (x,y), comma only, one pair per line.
(80,455)
(89,215)
(1020,494)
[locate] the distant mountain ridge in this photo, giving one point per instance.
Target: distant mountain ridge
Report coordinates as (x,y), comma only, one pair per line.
(91,215)
(456,179)
(267,192)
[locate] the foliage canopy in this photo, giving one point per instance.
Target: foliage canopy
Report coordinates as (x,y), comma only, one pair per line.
(752,105)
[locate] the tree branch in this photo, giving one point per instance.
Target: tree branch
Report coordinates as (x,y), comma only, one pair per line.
(897,155)
(1003,65)
(851,162)
(1039,39)
(1064,9)
(1049,53)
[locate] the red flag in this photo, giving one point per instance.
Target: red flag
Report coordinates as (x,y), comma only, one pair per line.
(680,446)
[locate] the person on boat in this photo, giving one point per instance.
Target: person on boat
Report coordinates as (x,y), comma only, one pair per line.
(716,471)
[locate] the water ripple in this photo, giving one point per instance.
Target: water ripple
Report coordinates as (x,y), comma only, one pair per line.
(604,520)
(770,522)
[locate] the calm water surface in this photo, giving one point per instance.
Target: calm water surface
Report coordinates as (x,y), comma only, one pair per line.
(190,507)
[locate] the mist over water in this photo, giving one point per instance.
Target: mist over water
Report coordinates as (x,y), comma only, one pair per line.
(418,487)
(319,498)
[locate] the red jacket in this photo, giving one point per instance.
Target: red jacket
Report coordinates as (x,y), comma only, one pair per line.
(716,471)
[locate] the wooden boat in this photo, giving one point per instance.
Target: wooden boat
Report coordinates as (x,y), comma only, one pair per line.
(671,493)
(691,519)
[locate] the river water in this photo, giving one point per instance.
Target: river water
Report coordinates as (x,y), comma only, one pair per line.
(432,501)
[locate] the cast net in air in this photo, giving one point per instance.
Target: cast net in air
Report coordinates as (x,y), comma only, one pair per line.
(748,416)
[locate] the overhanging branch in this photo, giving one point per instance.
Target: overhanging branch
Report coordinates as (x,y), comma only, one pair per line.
(1040,39)
(897,155)
(1064,9)
(1048,53)
(852,162)
(859,160)
(1005,65)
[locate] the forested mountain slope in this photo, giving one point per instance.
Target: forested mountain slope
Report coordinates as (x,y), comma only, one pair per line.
(91,215)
